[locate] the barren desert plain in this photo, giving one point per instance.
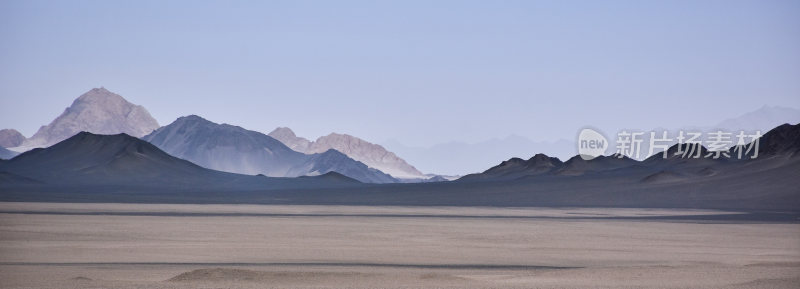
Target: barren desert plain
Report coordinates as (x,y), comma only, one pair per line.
(67,245)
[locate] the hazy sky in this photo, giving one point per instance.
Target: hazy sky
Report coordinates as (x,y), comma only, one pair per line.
(421,72)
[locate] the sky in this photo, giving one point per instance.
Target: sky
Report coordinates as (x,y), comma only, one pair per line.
(419,72)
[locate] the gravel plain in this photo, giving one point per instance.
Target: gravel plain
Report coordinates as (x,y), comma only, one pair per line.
(51,245)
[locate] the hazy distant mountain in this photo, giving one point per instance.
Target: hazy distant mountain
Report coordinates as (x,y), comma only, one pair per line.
(461,158)
(90,160)
(97,111)
(373,155)
(234,149)
(10,138)
(763,119)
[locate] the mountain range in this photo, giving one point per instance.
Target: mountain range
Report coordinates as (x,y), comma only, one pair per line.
(120,168)
(193,160)
(767,181)
(220,147)
(122,161)
(234,149)
(373,155)
(104,112)
(541,164)
(447,158)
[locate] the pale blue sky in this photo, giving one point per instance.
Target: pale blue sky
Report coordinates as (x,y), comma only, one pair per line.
(421,72)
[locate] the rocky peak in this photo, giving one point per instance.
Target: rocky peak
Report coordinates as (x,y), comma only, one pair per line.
(98,111)
(543,160)
(287,137)
(283,131)
(10,138)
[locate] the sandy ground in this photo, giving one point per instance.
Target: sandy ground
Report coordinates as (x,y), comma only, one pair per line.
(243,246)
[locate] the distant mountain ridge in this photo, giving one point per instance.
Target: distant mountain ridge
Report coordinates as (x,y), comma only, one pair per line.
(783,140)
(763,119)
(373,155)
(98,111)
(121,160)
(105,159)
(449,157)
(123,169)
(234,149)
(517,168)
